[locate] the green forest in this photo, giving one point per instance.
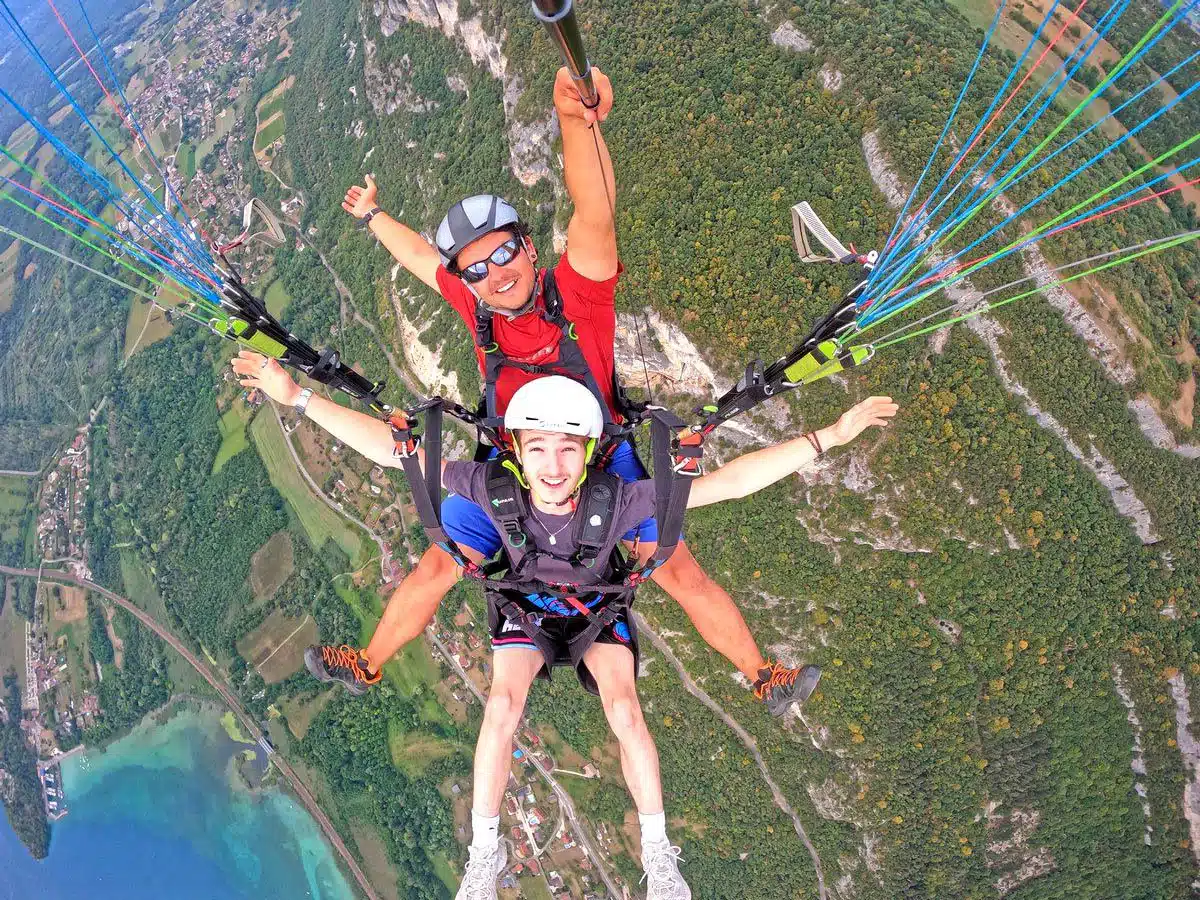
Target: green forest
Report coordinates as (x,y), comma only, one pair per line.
(968,732)
(21,789)
(981,610)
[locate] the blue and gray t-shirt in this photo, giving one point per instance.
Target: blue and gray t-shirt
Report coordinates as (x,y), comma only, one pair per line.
(635,504)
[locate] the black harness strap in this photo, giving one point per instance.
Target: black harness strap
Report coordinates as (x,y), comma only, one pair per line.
(594,520)
(508,508)
(570,363)
(526,620)
(509,582)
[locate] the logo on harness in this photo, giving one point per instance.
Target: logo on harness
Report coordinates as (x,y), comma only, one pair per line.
(496,501)
(510,625)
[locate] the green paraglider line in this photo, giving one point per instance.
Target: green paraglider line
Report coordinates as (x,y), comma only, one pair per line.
(1157,248)
(121,284)
(98,225)
(62,195)
(162,285)
(1032,236)
(1008,178)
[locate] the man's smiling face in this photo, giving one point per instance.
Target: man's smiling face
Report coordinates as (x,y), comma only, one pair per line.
(553,464)
(508,286)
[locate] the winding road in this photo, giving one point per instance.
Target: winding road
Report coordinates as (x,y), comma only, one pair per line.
(744,736)
(565,803)
(231,701)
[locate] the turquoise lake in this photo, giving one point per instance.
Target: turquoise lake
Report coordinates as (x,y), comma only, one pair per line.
(158,815)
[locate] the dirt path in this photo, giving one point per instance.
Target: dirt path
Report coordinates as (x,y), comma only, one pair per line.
(745,737)
(247,721)
(282,643)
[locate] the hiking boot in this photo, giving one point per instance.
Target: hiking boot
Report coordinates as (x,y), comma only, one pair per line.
(663,881)
(779,687)
(344,664)
(483,870)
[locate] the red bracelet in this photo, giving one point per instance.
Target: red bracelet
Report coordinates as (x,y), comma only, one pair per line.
(813,440)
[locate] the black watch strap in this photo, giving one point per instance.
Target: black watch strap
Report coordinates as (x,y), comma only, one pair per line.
(365,220)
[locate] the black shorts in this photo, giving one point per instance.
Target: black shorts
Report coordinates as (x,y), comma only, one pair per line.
(562,630)
(508,634)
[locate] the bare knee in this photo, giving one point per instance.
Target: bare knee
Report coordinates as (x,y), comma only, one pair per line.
(504,708)
(681,575)
(437,567)
(624,714)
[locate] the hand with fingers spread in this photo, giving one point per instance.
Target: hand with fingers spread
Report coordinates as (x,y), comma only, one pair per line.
(267,375)
(857,419)
(569,103)
(361,200)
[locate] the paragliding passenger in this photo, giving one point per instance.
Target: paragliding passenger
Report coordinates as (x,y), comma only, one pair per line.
(532,321)
(556,424)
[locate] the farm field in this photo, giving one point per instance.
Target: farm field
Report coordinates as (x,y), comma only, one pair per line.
(277,297)
(233,434)
(319,521)
(268,133)
(8,276)
(185,159)
(276,647)
(145,325)
(14,499)
(12,636)
(271,565)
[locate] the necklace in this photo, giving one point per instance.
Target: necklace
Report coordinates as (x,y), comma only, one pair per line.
(559,530)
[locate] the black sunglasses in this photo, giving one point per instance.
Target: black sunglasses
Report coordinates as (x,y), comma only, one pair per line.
(501,256)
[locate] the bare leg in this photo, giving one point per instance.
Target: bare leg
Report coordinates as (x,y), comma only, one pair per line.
(612,667)
(513,671)
(413,604)
(711,610)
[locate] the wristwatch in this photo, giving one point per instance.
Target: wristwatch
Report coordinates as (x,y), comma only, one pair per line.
(365,219)
(301,403)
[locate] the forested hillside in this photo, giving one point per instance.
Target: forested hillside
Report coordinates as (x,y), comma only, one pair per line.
(1001,588)
(982,609)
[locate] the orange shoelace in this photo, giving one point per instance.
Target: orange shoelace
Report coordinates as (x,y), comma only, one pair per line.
(347,657)
(780,676)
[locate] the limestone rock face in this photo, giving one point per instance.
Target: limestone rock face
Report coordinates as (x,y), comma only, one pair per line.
(789,36)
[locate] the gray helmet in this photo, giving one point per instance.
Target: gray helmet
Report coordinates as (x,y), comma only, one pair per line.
(471,219)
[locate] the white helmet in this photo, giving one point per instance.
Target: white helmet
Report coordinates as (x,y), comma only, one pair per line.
(555,403)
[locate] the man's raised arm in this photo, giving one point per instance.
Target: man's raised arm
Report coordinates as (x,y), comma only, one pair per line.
(587,170)
(407,246)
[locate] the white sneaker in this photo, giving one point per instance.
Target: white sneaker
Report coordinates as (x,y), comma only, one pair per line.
(483,868)
(661,862)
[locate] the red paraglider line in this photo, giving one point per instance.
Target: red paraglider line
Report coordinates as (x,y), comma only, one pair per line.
(100,226)
(111,102)
(1092,218)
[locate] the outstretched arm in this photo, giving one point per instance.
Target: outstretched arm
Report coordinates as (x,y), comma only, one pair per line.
(762,468)
(407,246)
(368,435)
(588,172)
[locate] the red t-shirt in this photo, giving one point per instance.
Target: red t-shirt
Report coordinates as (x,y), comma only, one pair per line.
(531,339)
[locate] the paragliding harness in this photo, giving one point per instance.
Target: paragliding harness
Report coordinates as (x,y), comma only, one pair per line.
(570,363)
(510,583)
